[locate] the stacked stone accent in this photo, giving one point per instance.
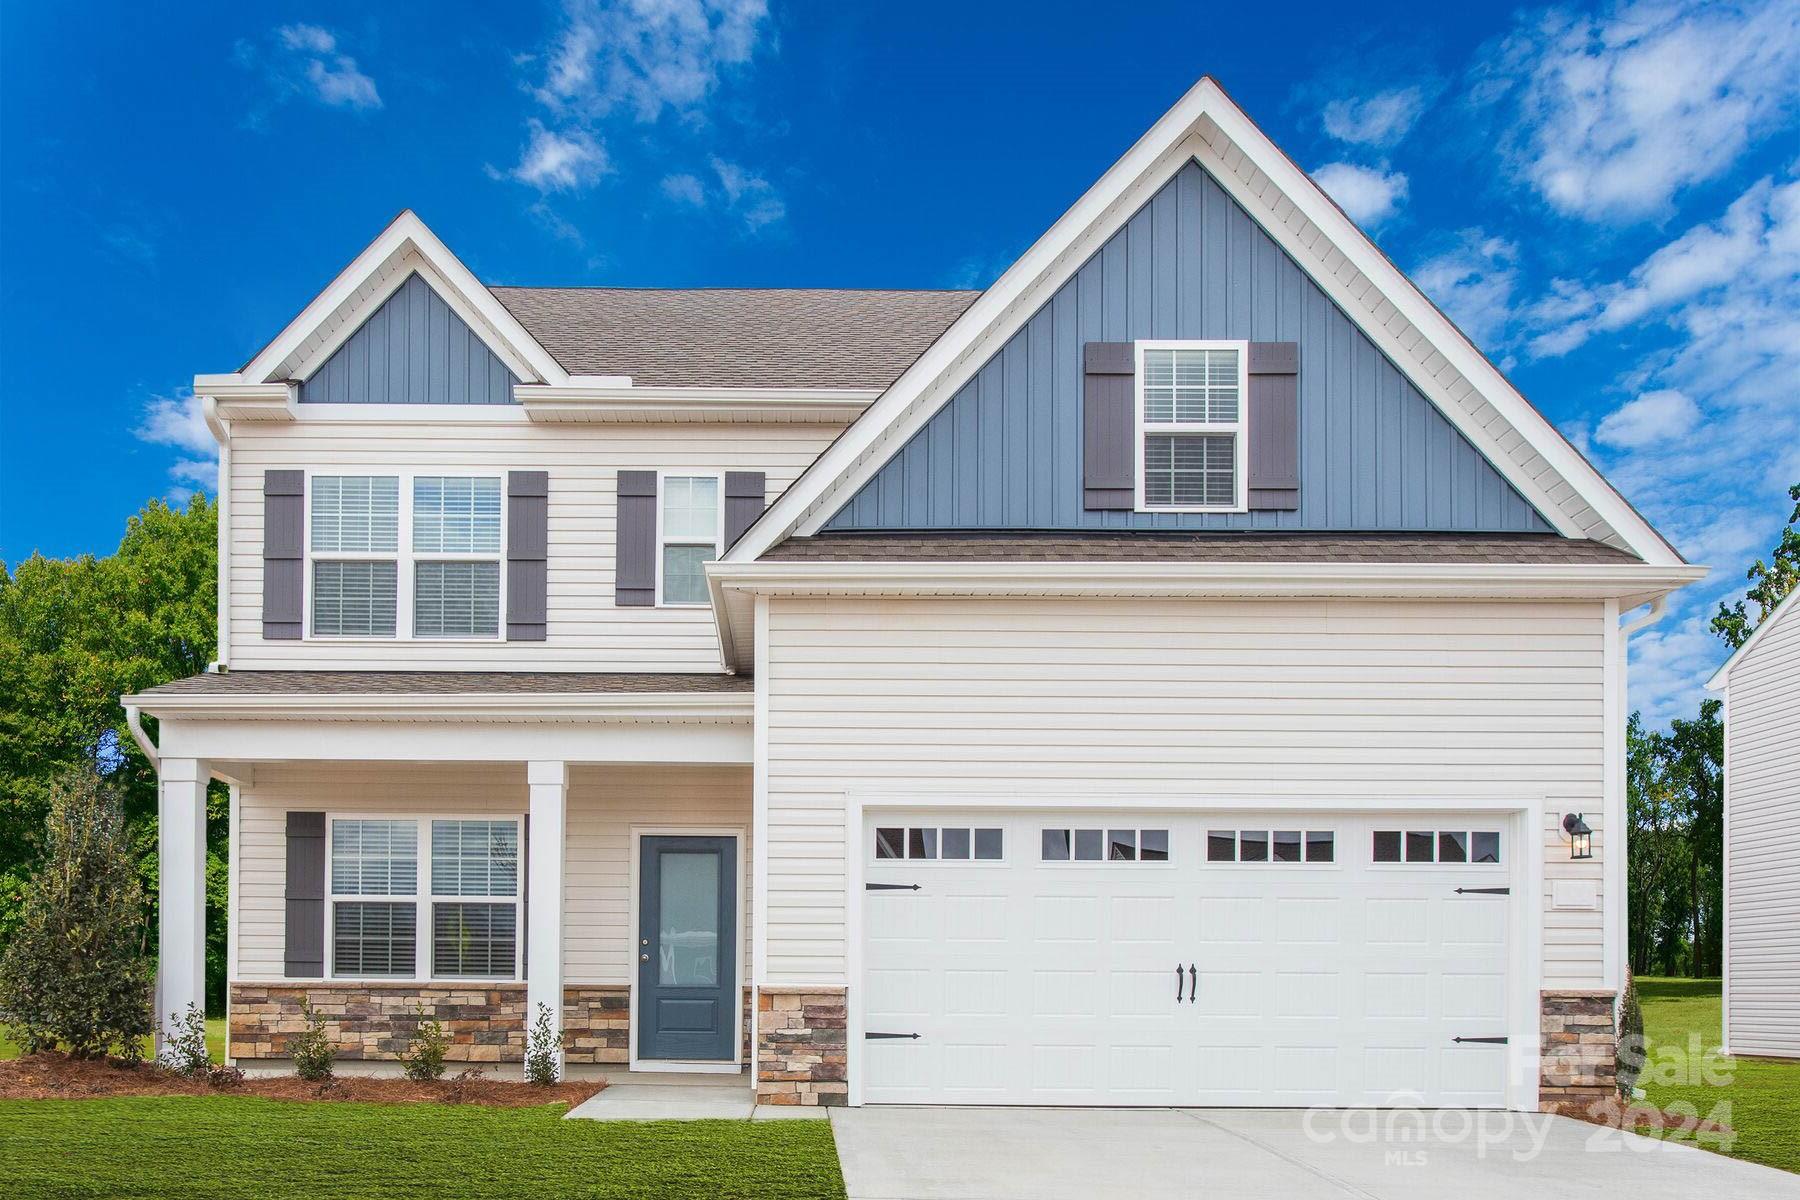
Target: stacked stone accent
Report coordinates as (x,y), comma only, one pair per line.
(1579,1054)
(597,1024)
(802,1049)
(372,1022)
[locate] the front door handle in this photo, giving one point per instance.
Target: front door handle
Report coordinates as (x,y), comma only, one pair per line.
(1193,984)
(1178,983)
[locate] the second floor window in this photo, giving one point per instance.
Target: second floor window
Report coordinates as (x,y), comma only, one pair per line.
(430,566)
(1191,426)
(689,536)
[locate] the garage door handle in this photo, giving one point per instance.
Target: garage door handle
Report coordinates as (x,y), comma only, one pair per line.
(1487,1041)
(1178,983)
(1193,984)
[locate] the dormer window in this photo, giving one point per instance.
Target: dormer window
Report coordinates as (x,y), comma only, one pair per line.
(1190,428)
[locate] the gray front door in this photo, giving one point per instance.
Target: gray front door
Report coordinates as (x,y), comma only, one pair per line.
(687,948)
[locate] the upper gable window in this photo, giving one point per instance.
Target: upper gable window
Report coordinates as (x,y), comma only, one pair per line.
(689,537)
(1190,426)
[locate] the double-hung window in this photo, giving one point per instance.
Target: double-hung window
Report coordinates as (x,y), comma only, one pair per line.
(689,529)
(419,898)
(1190,430)
(416,553)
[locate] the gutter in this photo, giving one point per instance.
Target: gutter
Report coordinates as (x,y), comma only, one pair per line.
(134,723)
(622,707)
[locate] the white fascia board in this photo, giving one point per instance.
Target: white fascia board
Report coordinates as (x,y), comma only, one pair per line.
(605,707)
(459,287)
(1722,676)
(603,401)
(1182,134)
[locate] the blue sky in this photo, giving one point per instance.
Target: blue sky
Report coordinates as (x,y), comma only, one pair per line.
(1604,197)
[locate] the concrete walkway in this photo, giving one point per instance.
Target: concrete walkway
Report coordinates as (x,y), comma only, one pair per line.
(1247,1154)
(680,1096)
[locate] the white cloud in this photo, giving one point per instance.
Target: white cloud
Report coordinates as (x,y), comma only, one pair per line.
(306,60)
(179,422)
(1651,418)
(1611,116)
(341,84)
(308,39)
(1379,120)
(1368,194)
(684,189)
(647,55)
(1473,282)
(753,198)
(559,161)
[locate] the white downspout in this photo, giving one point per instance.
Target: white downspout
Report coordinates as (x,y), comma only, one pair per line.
(221,431)
(1619,808)
(133,723)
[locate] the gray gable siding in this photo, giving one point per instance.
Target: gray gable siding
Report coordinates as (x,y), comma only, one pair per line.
(1005,452)
(414,349)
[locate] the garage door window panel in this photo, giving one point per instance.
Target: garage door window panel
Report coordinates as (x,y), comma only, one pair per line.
(1436,847)
(1278,846)
(1105,846)
(938,844)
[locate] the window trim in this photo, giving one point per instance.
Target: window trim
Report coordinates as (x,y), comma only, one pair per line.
(718,539)
(424,899)
(1239,429)
(403,558)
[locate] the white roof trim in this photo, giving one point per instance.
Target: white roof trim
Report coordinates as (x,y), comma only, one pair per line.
(1722,676)
(1206,125)
(405,246)
(631,707)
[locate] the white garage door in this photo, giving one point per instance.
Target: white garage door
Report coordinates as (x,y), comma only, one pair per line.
(1218,959)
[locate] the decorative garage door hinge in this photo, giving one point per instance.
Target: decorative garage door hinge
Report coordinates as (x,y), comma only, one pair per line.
(1506,891)
(873,1037)
(890,887)
(1499,1041)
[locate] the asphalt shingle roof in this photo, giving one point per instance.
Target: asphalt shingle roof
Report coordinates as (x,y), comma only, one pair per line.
(444,683)
(1198,547)
(736,337)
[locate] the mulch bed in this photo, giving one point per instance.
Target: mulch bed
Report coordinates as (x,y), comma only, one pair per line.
(1644,1117)
(58,1077)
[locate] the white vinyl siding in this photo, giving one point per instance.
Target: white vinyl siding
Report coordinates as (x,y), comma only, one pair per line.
(605,803)
(1762,797)
(586,632)
(1211,702)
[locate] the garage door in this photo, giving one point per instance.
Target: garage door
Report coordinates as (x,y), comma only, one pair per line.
(1218,959)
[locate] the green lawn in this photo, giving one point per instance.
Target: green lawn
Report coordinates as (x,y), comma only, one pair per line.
(215,1041)
(224,1146)
(1681,1023)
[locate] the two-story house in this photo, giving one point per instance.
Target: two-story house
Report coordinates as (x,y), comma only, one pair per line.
(1184,673)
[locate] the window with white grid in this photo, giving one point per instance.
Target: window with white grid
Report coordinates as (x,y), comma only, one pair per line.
(456,556)
(355,540)
(1191,399)
(690,526)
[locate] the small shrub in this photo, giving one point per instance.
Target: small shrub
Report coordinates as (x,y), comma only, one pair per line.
(75,973)
(1633,1046)
(225,1077)
(184,1047)
(459,1084)
(423,1058)
(311,1050)
(541,1050)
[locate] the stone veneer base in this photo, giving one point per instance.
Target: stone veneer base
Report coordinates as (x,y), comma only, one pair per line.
(1578,1056)
(486,1023)
(802,1049)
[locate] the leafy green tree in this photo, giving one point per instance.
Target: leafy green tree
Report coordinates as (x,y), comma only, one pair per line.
(75,635)
(1770,583)
(77,972)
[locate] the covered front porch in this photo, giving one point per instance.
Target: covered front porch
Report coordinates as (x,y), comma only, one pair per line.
(479,850)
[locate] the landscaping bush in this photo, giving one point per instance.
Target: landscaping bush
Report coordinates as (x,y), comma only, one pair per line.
(76,973)
(184,1048)
(1633,1046)
(311,1050)
(423,1057)
(541,1047)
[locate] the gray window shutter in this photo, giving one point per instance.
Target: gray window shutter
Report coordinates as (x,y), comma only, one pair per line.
(634,565)
(527,554)
(304,956)
(745,495)
(1109,460)
(1274,413)
(284,554)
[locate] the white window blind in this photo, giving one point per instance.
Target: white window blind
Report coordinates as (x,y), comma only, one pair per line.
(1191,427)
(456,515)
(354,598)
(355,514)
(456,599)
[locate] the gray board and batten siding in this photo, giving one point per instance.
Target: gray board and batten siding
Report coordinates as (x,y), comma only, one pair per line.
(1006,451)
(414,349)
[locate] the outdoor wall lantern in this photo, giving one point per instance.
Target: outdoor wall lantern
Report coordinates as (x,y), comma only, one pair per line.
(1581,838)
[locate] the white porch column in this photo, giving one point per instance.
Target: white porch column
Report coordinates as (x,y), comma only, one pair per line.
(181,888)
(549,782)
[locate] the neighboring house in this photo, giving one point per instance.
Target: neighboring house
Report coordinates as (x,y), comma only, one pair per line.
(1761,685)
(1158,679)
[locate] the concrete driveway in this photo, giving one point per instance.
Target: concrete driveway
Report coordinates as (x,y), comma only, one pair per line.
(1243,1154)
